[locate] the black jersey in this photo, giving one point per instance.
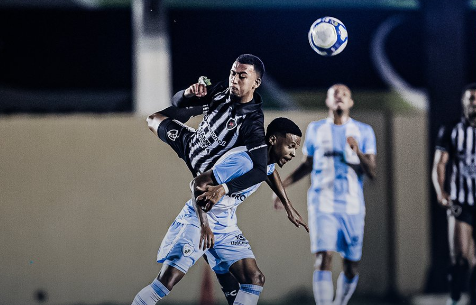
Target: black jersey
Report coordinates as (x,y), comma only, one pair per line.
(459,141)
(226,124)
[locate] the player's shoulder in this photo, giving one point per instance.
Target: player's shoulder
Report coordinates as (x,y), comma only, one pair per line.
(361,125)
(237,156)
(452,125)
(317,124)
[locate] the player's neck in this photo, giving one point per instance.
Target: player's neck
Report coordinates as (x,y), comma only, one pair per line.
(244,99)
(339,118)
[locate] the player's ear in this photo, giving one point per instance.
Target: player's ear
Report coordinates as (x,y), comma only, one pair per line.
(351,103)
(257,83)
(272,140)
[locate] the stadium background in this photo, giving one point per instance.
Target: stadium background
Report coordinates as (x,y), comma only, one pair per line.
(86,191)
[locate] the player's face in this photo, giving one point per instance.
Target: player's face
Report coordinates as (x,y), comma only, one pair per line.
(283,148)
(243,81)
(339,98)
(469,106)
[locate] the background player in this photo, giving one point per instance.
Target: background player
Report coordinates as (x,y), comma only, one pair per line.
(216,233)
(338,151)
(456,145)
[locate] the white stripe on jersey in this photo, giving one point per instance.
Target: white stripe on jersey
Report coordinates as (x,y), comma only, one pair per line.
(326,178)
(469,150)
(352,198)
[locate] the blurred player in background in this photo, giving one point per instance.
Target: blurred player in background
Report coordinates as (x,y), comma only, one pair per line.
(203,227)
(456,144)
(338,152)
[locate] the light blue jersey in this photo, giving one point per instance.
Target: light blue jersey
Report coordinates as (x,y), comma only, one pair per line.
(180,246)
(222,217)
(335,187)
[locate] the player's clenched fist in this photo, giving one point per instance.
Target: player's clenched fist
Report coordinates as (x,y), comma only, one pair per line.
(197,89)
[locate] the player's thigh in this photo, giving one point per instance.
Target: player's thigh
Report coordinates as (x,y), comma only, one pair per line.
(180,247)
(323,232)
(228,249)
(176,135)
(461,230)
(351,236)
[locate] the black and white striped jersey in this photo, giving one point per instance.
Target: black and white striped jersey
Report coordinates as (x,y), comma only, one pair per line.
(226,124)
(459,140)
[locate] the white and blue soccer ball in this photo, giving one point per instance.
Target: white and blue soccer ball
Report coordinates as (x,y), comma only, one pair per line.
(328,36)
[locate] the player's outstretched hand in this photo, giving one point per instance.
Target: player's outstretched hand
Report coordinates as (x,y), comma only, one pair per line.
(296,219)
(211,195)
(197,89)
(207,239)
(277,204)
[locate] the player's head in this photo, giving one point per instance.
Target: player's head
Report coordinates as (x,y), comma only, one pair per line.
(339,99)
(283,136)
(468,100)
(245,76)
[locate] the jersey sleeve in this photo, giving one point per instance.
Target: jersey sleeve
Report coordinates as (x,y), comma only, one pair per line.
(369,145)
(178,100)
(443,140)
(308,146)
(252,132)
(233,166)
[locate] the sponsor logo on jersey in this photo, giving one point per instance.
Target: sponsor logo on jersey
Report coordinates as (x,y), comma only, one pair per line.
(240,240)
(231,124)
(172,134)
(187,250)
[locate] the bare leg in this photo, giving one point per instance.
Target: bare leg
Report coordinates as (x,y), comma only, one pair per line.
(151,294)
(460,262)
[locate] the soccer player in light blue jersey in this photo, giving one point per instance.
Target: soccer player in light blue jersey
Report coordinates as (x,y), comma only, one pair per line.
(203,227)
(338,152)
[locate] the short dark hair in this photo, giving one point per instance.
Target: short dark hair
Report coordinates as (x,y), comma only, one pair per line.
(471,86)
(250,59)
(282,126)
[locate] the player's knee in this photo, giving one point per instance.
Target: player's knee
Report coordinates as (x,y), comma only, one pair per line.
(323,260)
(256,278)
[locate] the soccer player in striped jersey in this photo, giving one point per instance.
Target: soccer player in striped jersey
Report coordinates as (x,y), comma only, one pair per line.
(232,117)
(203,227)
(456,145)
(338,152)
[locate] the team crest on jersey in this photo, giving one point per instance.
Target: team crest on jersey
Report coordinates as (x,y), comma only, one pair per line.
(187,250)
(231,124)
(172,134)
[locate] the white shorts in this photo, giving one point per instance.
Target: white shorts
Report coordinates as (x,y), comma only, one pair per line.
(337,232)
(180,248)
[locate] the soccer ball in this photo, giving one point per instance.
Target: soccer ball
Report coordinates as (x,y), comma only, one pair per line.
(328,36)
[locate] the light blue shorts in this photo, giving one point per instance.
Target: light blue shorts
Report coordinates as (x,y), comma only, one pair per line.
(337,232)
(180,248)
